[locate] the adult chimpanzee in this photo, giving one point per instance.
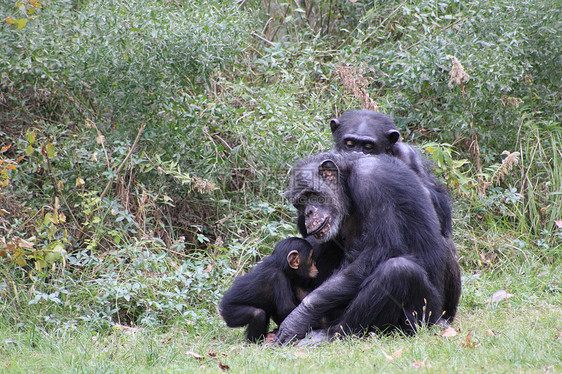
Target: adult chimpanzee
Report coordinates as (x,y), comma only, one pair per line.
(396,260)
(271,290)
(374,133)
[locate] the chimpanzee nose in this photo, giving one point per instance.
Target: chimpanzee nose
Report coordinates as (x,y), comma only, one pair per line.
(308,211)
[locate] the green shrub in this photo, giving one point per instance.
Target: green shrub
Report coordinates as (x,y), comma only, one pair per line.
(146,146)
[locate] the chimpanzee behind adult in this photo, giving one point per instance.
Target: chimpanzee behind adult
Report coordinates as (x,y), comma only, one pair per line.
(374,133)
(396,260)
(271,290)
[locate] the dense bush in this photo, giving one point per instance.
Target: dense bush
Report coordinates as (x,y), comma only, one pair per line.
(146,145)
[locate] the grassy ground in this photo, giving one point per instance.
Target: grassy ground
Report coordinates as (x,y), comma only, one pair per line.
(145,148)
(520,334)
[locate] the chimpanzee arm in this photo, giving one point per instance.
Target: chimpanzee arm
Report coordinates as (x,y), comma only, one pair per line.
(338,290)
(283,298)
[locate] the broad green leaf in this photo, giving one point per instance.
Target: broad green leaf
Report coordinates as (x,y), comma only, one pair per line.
(50,150)
(20,23)
(20,261)
(31,137)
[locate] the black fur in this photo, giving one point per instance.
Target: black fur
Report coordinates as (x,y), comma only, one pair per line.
(396,260)
(374,133)
(270,290)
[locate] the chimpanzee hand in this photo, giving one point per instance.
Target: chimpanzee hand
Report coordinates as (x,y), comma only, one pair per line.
(331,294)
(295,326)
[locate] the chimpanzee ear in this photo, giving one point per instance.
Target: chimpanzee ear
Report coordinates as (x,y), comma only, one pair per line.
(293,259)
(334,124)
(329,171)
(393,136)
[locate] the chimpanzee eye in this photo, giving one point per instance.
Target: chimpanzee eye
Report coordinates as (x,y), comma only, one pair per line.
(301,202)
(368,147)
(350,143)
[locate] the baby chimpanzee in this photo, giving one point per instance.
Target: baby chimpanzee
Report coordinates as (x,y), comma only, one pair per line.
(271,290)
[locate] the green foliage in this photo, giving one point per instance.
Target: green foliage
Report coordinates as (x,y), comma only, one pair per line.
(141,284)
(146,145)
(47,245)
(492,43)
(490,336)
(541,176)
(120,60)
(450,168)
(26,9)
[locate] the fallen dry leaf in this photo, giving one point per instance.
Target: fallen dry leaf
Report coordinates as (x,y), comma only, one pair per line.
(559,334)
(196,356)
(500,295)
(559,224)
(392,356)
(449,332)
(215,355)
(469,343)
(421,364)
(24,244)
(224,367)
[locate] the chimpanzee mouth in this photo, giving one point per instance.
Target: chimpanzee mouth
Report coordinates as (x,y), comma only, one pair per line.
(322,229)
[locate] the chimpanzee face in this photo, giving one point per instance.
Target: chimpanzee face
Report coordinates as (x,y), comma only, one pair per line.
(302,263)
(311,266)
(317,194)
(364,131)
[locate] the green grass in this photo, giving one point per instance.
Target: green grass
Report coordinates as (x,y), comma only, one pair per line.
(231,94)
(520,334)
